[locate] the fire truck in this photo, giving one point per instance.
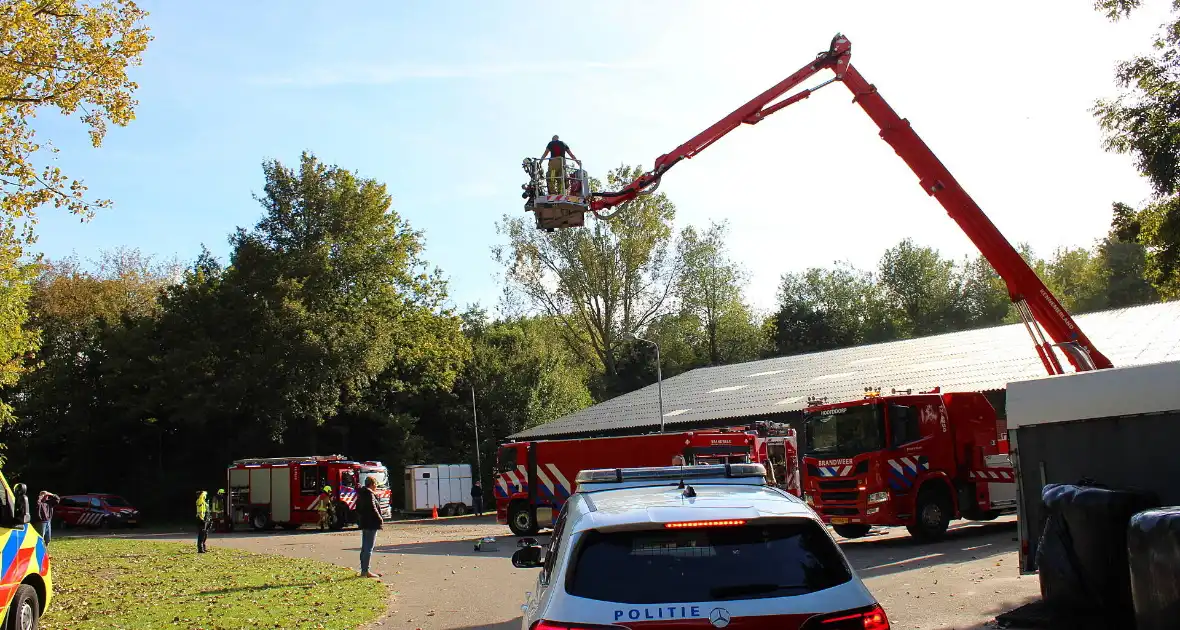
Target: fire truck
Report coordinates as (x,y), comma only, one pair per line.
(534,479)
(560,203)
(279,491)
(913,459)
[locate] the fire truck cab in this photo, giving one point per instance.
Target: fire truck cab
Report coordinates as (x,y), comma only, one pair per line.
(918,460)
(280,491)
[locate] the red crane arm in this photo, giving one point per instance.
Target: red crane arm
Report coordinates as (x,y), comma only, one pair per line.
(1036,304)
(751,113)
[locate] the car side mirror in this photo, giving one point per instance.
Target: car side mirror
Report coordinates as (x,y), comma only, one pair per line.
(527,557)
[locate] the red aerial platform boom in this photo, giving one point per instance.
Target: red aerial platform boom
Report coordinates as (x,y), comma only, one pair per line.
(1041,311)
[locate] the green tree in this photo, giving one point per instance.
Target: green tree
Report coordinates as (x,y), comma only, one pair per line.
(822,309)
(710,288)
(926,288)
(1075,276)
(601,282)
(1144,122)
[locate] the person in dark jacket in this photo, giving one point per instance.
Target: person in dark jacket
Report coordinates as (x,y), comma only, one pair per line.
(476,498)
(46,501)
(368,517)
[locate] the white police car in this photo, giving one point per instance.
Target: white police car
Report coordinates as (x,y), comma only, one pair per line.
(692,547)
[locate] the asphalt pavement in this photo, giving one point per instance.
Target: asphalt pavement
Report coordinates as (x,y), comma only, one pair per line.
(438,581)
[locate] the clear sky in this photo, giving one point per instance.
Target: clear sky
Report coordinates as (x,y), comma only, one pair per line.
(442,105)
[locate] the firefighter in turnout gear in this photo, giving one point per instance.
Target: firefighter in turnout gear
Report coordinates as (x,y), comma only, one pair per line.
(323,505)
(202,520)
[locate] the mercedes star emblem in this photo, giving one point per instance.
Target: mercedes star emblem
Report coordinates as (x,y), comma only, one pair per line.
(719,617)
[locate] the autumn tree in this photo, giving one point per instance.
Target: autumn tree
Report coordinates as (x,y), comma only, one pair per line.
(601,282)
(66,56)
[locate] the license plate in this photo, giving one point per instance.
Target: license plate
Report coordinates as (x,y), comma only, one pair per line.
(839,521)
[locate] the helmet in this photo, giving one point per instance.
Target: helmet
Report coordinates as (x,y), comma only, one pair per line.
(221,491)
(327,488)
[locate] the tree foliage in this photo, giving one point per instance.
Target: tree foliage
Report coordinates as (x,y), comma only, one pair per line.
(916,292)
(1143,121)
(710,289)
(325,332)
(69,56)
(599,283)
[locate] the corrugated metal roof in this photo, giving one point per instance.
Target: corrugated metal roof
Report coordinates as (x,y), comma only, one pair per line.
(973,360)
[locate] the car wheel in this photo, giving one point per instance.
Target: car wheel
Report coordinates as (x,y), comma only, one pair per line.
(260,520)
(855,530)
(25,611)
(932,516)
(522,520)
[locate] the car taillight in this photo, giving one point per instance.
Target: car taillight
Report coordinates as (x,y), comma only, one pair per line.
(869,618)
(691,524)
(561,625)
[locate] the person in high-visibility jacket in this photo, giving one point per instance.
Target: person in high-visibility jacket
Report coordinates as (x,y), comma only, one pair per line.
(323,505)
(202,520)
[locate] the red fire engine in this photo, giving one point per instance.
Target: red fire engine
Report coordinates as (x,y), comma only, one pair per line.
(1041,311)
(280,491)
(534,479)
(918,460)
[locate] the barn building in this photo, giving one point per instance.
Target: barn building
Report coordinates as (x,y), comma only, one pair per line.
(983,360)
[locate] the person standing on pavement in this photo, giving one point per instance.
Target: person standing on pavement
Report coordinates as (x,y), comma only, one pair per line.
(46,501)
(202,520)
(368,517)
(476,498)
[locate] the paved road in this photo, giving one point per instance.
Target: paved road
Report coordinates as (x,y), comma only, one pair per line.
(439,582)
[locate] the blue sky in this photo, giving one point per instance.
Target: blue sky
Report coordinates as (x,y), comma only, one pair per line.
(442,107)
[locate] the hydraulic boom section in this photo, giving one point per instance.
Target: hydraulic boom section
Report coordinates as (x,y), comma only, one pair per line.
(1044,317)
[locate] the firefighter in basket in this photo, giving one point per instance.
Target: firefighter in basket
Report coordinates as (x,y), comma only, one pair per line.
(323,505)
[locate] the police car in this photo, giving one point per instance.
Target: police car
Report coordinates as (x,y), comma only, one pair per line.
(691,547)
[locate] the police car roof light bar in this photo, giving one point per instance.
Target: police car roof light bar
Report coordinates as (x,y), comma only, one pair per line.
(670,473)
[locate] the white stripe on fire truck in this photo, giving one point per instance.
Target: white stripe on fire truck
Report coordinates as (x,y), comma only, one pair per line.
(565,484)
(847,470)
(545,480)
(502,484)
(517,480)
(897,467)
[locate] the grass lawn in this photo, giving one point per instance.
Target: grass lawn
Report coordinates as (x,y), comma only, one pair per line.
(111,583)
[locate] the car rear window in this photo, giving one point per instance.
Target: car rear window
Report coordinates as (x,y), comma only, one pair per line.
(709,564)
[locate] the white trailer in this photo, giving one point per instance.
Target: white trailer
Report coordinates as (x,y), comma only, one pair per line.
(1117,426)
(443,486)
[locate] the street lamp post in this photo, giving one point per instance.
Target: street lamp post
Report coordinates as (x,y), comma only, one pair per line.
(475,422)
(659,373)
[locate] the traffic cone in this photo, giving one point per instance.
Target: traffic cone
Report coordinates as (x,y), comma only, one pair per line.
(434,511)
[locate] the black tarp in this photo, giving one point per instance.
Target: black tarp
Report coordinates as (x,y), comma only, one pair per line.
(1082,555)
(1153,543)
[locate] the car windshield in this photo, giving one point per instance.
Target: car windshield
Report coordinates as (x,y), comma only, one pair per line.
(116,501)
(709,564)
(380,476)
(844,431)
